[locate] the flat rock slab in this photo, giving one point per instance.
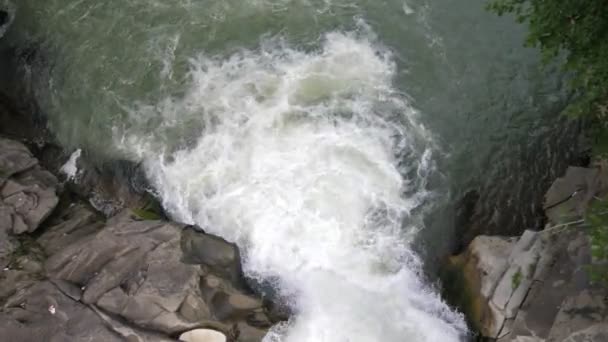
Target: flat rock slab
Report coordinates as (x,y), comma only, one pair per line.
(43,313)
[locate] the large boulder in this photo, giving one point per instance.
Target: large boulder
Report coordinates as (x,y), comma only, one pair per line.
(135,269)
(517,289)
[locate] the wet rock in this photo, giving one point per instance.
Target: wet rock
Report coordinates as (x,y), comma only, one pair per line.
(481,267)
(110,187)
(221,257)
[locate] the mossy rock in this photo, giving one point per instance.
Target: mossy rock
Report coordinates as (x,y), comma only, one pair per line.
(146,214)
(462,289)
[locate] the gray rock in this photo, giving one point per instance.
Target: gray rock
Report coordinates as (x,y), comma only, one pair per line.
(247,333)
(135,270)
(7,243)
(14,158)
(75,223)
(482,266)
(582,317)
(560,273)
(43,313)
(220,256)
(31,197)
(569,196)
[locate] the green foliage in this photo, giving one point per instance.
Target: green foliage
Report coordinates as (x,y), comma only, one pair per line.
(597,219)
(578,28)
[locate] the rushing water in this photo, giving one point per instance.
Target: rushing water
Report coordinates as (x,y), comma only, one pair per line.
(322,136)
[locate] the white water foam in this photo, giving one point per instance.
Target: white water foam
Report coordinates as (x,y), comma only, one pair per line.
(296,163)
(70,168)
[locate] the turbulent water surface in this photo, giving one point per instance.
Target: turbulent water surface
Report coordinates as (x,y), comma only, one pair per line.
(322,136)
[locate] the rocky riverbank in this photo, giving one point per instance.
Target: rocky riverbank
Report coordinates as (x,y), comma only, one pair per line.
(81,258)
(537,287)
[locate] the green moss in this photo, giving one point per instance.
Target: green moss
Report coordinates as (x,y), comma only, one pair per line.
(146,214)
(516,279)
(152,210)
(459,289)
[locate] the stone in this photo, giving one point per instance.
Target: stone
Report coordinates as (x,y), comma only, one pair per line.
(481,267)
(581,317)
(219,255)
(75,223)
(569,196)
(194,309)
(43,313)
(7,243)
(134,269)
(560,273)
(111,187)
(247,333)
(517,279)
(14,156)
(31,197)
(202,335)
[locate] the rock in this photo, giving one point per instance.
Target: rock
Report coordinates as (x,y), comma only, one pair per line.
(110,187)
(582,317)
(14,157)
(75,223)
(569,196)
(202,335)
(43,313)
(220,256)
(481,267)
(499,274)
(27,192)
(7,243)
(135,270)
(247,333)
(560,274)
(30,198)
(535,289)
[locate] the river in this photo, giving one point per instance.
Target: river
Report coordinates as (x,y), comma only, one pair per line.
(327,138)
